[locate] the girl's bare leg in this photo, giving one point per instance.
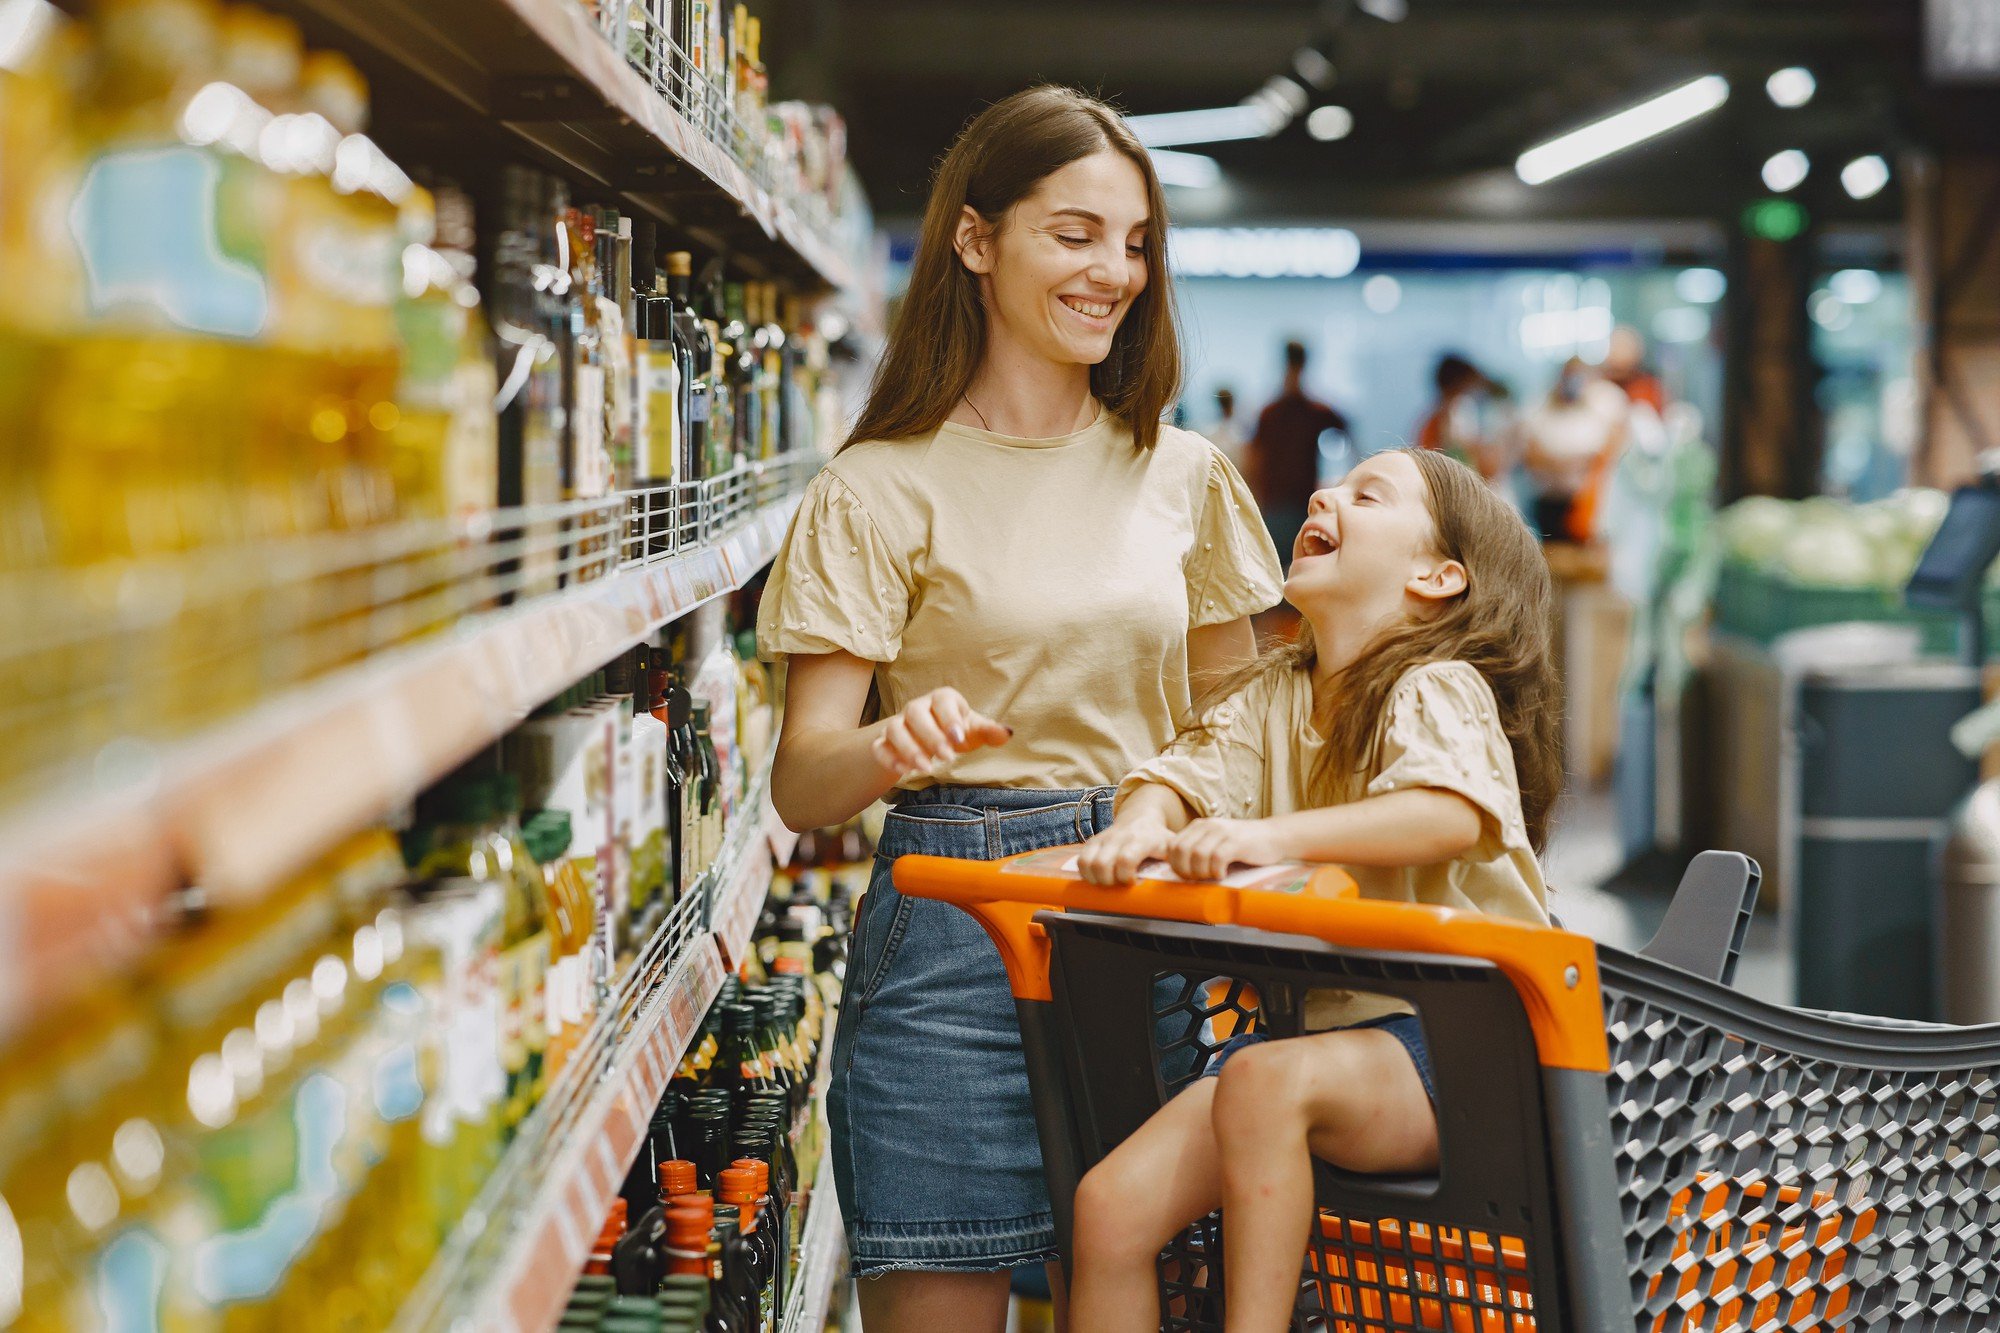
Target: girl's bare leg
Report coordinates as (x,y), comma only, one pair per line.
(1352,1098)
(1135,1201)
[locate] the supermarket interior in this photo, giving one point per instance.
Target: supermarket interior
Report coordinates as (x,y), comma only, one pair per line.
(440,438)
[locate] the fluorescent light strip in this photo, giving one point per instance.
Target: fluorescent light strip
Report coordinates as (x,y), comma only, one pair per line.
(1616,133)
(1190,170)
(1212,125)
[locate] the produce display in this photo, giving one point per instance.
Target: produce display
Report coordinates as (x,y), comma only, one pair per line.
(1794,564)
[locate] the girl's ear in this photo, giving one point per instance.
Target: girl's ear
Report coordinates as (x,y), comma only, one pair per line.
(1440,583)
(974,241)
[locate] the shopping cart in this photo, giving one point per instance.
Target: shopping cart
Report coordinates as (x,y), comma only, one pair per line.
(1626,1143)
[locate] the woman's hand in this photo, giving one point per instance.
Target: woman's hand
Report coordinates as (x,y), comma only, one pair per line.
(931,731)
(1206,848)
(1115,855)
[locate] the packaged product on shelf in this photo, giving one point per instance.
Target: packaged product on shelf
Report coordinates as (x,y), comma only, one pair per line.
(526,302)
(650,775)
(565,755)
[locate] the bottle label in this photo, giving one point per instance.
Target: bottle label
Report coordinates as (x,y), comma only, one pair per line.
(660,394)
(700,404)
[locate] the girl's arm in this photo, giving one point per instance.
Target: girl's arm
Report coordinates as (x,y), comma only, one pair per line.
(829,767)
(1418,826)
(1148,818)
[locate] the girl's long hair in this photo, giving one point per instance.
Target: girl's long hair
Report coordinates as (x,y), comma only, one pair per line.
(1501,624)
(939,337)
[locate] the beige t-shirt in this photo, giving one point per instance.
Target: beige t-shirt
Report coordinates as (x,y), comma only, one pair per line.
(1441,729)
(1052,582)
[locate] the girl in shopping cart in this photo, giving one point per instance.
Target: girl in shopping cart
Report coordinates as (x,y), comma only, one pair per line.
(1410,735)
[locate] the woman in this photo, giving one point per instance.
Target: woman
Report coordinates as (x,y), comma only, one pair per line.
(1025,567)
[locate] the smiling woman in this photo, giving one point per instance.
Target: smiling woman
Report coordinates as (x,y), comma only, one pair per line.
(1026,567)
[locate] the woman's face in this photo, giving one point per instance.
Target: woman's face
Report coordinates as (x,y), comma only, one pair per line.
(1063,271)
(1365,540)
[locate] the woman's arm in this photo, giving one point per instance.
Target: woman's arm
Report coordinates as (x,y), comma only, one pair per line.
(829,767)
(1419,826)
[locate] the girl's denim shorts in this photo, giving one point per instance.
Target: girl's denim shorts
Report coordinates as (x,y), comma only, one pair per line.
(935,1152)
(1403,1027)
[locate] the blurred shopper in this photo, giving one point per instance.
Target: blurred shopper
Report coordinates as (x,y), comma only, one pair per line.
(1283,455)
(1625,366)
(1453,424)
(1573,439)
(1025,567)
(1226,431)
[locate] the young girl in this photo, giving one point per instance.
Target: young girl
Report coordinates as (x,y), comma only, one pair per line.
(1410,735)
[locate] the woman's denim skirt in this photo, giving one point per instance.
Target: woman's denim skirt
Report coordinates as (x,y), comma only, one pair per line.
(934,1147)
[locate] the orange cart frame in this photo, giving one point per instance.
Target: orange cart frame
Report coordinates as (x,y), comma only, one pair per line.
(1847,1170)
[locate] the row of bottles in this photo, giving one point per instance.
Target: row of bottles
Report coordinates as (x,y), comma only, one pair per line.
(227,315)
(706,57)
(704,1235)
(280,1117)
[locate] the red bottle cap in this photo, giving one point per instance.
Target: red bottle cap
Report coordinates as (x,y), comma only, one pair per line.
(677,1178)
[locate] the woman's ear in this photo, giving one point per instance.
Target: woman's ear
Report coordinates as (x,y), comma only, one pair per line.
(1440,583)
(973,241)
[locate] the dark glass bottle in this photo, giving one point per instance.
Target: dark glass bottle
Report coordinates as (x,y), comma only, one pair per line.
(696,355)
(711,773)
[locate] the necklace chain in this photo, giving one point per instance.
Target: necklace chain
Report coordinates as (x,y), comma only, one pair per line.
(976,412)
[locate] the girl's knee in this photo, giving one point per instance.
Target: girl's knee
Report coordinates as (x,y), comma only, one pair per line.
(1109,1217)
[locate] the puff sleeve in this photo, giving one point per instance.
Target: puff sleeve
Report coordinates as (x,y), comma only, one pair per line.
(1217,764)
(1443,731)
(836,583)
(1232,569)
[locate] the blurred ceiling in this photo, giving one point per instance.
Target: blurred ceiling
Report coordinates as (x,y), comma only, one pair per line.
(1443,101)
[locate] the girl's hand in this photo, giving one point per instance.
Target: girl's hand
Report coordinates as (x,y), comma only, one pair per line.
(931,731)
(1115,855)
(1206,848)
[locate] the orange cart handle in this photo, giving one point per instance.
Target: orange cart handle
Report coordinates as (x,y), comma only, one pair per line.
(1554,971)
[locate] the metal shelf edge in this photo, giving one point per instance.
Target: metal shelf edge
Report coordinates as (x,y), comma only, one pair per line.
(819,1253)
(242,805)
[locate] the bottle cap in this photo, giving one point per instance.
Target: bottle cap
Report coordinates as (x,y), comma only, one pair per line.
(677,1177)
(739,1185)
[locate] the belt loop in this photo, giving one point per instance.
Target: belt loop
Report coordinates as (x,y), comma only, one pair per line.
(992,833)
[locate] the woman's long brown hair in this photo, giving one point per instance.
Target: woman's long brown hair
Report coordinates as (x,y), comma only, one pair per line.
(1501,624)
(939,337)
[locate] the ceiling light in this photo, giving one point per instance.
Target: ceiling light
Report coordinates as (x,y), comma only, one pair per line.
(1615,133)
(1382,294)
(1190,171)
(1792,86)
(1212,125)
(1700,286)
(1284,96)
(1864,177)
(1855,286)
(1328,123)
(1389,11)
(1312,65)
(1786,170)
(1263,252)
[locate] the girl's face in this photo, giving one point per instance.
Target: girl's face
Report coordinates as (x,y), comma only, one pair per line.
(1063,271)
(1368,545)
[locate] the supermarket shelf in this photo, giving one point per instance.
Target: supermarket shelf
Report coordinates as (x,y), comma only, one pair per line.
(515,1256)
(542,71)
(740,900)
(85,867)
(822,1255)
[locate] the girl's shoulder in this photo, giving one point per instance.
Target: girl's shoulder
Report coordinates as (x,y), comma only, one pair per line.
(1447,680)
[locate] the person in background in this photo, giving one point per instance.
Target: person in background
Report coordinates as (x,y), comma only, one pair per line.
(1226,431)
(1573,438)
(1453,424)
(1283,454)
(1625,366)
